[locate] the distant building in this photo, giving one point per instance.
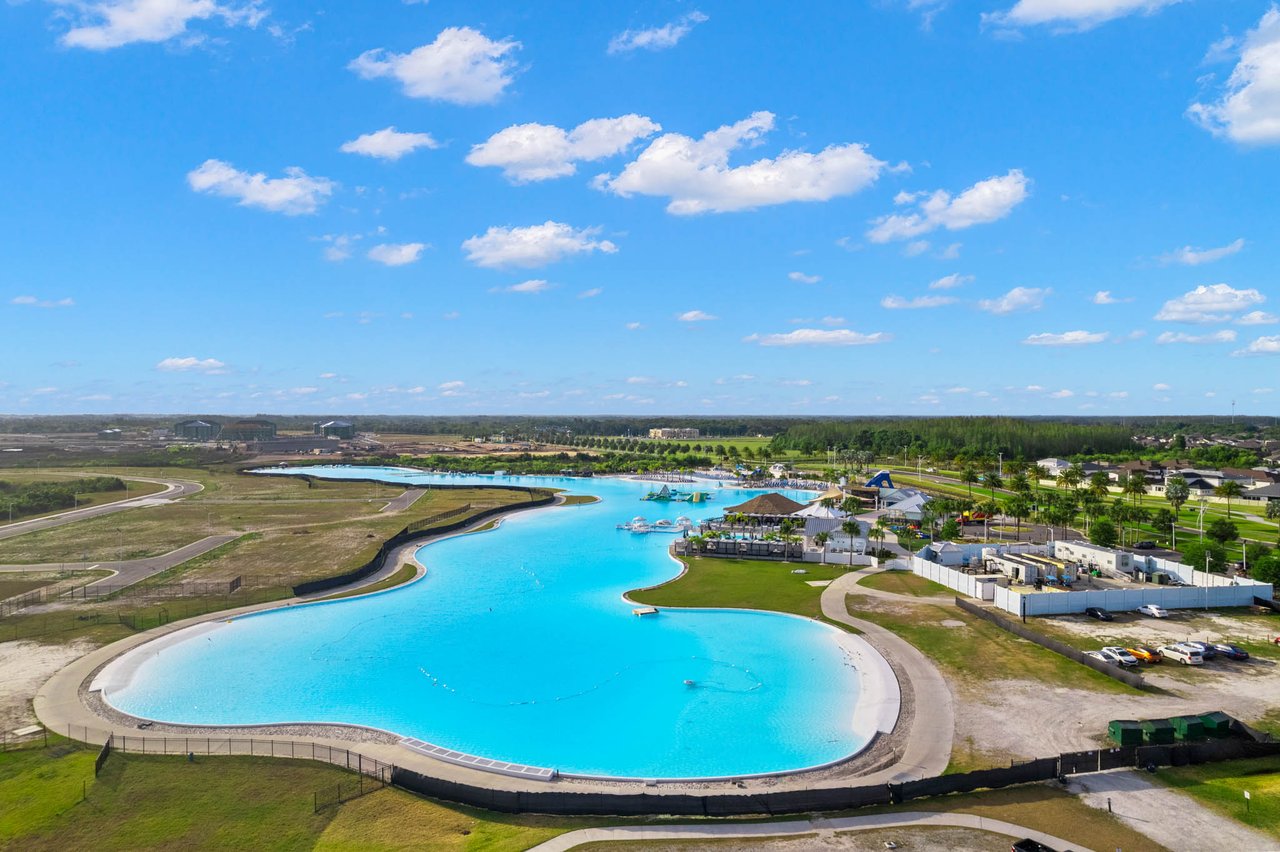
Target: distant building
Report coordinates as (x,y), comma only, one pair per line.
(249,430)
(197,430)
(336,429)
(667,434)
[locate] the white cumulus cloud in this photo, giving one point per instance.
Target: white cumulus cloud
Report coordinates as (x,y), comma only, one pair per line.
(1226,336)
(1248,110)
(986,201)
(191,364)
(114,23)
(1071,14)
(1261,346)
(1258,318)
(532,287)
(1209,304)
(820,337)
(1017,299)
(462,66)
(802,278)
(695,173)
(695,316)
(389,144)
(656,38)
(950,282)
(396,254)
(1067,338)
(1189,256)
(897,303)
(294,194)
(1106,297)
(532,246)
(34,302)
(532,152)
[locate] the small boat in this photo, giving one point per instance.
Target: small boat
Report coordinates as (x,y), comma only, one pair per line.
(690,684)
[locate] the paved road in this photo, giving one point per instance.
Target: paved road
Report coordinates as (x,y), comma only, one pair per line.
(174,489)
(718,831)
(131,571)
(1168,817)
(928,749)
(404,501)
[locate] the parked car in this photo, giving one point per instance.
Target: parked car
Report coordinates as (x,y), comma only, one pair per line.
(1097,655)
(1204,649)
(1145,545)
(1179,654)
(1029,845)
(1120,655)
(1099,613)
(1231,652)
(1153,611)
(1143,654)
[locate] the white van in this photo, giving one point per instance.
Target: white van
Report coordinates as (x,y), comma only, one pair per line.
(1182,654)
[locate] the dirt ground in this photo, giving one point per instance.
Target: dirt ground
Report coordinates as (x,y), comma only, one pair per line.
(1167,816)
(26,666)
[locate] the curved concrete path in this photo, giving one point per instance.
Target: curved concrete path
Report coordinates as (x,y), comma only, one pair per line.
(859,576)
(798,828)
(174,489)
(59,706)
(928,749)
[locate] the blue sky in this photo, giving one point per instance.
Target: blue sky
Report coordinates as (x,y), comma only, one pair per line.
(861,207)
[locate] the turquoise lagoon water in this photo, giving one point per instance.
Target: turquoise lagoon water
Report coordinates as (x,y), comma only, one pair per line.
(518,646)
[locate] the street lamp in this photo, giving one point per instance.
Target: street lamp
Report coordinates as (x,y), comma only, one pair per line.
(1000,464)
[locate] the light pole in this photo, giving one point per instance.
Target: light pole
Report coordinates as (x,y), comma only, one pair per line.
(1000,464)
(1173,534)
(119,544)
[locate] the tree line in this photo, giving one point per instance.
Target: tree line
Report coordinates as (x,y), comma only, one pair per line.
(36,498)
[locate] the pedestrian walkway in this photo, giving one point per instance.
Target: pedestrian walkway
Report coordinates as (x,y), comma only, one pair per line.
(719,831)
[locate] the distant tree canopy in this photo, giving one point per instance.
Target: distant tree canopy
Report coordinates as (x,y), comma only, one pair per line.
(959,437)
(35,498)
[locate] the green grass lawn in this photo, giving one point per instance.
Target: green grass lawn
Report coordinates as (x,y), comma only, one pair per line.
(157,802)
(1221,786)
(403,574)
(976,651)
(904,583)
(744,584)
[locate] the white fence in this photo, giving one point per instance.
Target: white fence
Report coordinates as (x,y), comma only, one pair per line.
(1213,590)
(965,584)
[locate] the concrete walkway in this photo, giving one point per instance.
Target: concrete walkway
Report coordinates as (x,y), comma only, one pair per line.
(928,749)
(1167,816)
(713,831)
(174,489)
(859,576)
(131,571)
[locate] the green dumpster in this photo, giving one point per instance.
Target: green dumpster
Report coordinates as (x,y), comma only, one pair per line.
(1216,724)
(1188,727)
(1158,732)
(1125,732)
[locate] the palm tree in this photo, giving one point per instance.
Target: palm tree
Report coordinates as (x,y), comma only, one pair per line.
(1100,484)
(991,479)
(1177,492)
(969,476)
(821,540)
(989,510)
(1273,514)
(1018,507)
(852,529)
(1020,484)
(1228,489)
(877,532)
(1136,486)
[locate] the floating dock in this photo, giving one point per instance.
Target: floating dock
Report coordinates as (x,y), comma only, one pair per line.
(645,610)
